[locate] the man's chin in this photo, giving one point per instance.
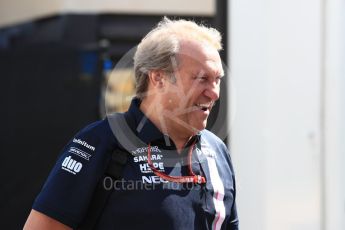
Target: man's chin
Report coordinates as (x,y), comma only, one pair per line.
(199,127)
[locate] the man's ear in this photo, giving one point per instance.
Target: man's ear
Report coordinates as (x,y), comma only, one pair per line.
(156,78)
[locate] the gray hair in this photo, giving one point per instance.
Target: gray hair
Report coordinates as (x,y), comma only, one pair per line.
(158,49)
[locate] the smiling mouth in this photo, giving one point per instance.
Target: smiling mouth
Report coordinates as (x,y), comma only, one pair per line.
(205,106)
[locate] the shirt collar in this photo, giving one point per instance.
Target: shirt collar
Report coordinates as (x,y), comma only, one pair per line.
(146,130)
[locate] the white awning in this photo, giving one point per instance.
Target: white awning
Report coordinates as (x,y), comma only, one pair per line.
(13,12)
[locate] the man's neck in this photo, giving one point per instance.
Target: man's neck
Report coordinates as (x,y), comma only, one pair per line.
(153,113)
(180,142)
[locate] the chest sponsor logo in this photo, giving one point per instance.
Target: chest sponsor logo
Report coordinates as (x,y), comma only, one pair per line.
(154,149)
(207,151)
(145,168)
(153,180)
(84,143)
(70,165)
(141,158)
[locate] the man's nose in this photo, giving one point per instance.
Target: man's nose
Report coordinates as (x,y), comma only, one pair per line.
(212,91)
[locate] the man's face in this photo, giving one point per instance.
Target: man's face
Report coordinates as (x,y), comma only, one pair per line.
(188,101)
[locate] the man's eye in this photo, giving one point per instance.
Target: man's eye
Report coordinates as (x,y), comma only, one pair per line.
(202,79)
(218,79)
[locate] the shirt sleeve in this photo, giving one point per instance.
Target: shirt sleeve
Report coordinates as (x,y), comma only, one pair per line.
(68,190)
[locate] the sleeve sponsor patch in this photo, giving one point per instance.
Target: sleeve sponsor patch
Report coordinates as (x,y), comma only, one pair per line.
(70,165)
(79,153)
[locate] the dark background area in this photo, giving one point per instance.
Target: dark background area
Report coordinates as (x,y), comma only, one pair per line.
(51,71)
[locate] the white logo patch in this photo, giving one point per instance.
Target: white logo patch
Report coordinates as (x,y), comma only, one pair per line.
(71,166)
(140,157)
(154,149)
(79,153)
(84,143)
(145,168)
(144,158)
(207,151)
(153,180)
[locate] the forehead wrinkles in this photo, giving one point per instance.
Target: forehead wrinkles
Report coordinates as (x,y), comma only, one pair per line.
(200,67)
(200,57)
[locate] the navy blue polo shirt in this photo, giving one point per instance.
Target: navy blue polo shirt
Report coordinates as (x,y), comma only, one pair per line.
(142,199)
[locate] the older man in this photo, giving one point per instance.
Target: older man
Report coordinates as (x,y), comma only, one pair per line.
(176,174)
